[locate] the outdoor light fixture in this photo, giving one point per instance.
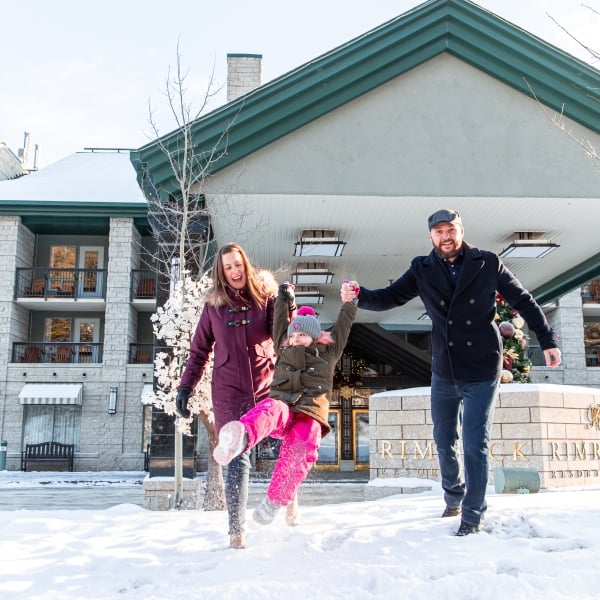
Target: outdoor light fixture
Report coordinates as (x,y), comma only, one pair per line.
(308,296)
(311,273)
(112,400)
(528,244)
(319,242)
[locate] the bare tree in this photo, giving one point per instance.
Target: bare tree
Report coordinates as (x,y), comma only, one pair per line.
(558,119)
(181,224)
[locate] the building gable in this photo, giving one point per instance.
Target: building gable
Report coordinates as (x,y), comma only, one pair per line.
(457,27)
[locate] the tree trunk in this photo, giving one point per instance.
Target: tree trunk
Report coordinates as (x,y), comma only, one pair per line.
(214,495)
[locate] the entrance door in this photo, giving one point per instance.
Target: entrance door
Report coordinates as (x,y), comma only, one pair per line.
(91,282)
(87,333)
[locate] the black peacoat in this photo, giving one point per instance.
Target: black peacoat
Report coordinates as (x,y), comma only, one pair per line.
(466,342)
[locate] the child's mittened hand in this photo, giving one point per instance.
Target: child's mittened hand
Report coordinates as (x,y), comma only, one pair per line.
(351,286)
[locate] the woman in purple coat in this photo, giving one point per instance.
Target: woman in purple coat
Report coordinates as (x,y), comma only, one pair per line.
(237,326)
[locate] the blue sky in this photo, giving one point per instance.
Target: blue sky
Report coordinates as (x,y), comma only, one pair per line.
(82,74)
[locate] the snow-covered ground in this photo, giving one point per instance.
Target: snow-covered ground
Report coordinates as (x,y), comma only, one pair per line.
(543,545)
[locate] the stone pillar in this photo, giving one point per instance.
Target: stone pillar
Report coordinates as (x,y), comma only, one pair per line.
(552,429)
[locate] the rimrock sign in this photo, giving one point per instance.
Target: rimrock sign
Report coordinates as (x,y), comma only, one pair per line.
(552,429)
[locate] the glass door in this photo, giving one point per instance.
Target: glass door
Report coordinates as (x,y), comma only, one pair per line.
(87,333)
(90,283)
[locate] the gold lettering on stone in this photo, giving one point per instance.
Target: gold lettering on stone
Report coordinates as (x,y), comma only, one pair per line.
(517,454)
(386,450)
(421,453)
(580,452)
(493,447)
(555,453)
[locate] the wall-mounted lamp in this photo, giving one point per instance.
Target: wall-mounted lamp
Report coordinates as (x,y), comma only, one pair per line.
(311,273)
(528,244)
(112,400)
(319,242)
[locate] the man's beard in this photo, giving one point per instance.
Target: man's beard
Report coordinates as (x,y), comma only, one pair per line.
(446,255)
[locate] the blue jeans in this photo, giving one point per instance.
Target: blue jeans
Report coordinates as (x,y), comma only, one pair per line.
(470,404)
(236,491)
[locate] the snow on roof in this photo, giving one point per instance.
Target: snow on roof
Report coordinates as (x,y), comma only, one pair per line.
(98,176)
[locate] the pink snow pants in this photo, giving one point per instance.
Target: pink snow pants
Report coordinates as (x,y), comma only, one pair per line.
(301,438)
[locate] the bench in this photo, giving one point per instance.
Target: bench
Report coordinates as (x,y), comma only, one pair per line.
(48,452)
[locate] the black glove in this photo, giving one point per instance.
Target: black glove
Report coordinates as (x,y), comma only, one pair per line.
(181,402)
(286,292)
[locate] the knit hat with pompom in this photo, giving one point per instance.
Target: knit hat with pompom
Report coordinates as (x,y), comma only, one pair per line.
(305,322)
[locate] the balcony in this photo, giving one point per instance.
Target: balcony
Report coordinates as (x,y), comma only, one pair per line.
(57,352)
(65,289)
(592,356)
(590,298)
(143,290)
(143,354)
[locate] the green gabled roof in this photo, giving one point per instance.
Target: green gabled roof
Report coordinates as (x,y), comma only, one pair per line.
(464,30)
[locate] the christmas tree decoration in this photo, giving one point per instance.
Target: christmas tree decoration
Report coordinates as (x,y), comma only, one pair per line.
(507,329)
(515,364)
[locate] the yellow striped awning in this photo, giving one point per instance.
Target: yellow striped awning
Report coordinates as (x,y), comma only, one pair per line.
(51,393)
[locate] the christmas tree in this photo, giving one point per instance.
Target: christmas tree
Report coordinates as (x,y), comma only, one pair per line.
(515,364)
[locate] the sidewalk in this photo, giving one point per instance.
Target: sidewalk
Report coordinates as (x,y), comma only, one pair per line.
(62,490)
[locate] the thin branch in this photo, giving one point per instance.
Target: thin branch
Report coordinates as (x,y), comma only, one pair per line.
(558,120)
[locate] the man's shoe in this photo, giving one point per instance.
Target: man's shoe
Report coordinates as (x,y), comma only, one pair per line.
(265,512)
(452,511)
(291,512)
(233,440)
(468,528)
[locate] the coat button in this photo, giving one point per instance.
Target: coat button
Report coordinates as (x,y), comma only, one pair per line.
(469,321)
(469,343)
(450,322)
(450,343)
(472,301)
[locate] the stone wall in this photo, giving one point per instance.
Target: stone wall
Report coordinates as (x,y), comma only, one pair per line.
(552,429)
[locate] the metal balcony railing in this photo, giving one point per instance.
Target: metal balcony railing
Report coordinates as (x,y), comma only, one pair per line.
(60,283)
(592,356)
(143,354)
(57,352)
(590,293)
(143,284)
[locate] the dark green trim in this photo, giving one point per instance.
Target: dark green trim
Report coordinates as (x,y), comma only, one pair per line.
(567,282)
(243,55)
(55,217)
(52,208)
(458,27)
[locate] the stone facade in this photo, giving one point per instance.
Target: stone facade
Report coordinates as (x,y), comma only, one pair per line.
(107,441)
(552,429)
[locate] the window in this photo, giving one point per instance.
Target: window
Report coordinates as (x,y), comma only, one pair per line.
(360,435)
(329,452)
(57,330)
(591,338)
(62,258)
(51,423)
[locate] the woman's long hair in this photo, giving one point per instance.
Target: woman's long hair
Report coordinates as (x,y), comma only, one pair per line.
(260,284)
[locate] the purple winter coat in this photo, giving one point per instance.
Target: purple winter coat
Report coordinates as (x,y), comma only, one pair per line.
(244,357)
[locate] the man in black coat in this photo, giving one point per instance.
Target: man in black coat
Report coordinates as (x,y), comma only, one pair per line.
(458,285)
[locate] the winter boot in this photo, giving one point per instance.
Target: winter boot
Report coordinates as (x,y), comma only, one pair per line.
(237,540)
(265,512)
(291,512)
(232,441)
